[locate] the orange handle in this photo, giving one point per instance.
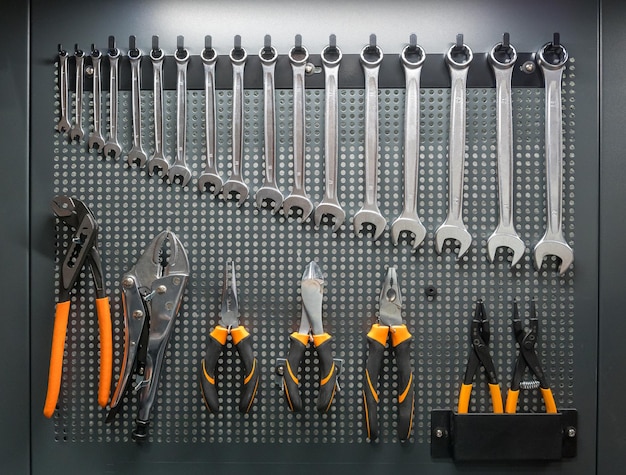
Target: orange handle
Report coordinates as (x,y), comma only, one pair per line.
(103,309)
(464,398)
(496,398)
(511,401)
(548,399)
(61,316)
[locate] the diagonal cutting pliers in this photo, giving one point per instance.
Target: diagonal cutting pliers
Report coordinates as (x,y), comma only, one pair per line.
(527,358)
(389,323)
(311,330)
(82,249)
(479,355)
(152,292)
(229,324)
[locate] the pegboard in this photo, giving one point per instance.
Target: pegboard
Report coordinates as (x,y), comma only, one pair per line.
(271,251)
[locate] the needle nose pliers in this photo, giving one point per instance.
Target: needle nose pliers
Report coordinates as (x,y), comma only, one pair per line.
(82,249)
(389,322)
(229,324)
(479,355)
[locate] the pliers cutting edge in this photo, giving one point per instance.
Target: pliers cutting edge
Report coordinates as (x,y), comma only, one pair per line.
(229,324)
(389,322)
(527,358)
(311,329)
(82,250)
(152,291)
(479,355)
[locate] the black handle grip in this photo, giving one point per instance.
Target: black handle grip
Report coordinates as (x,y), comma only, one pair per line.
(406,390)
(370,386)
(251,378)
(207,373)
(328,375)
(290,376)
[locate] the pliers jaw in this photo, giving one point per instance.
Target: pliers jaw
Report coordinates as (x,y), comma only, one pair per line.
(390,301)
(229,313)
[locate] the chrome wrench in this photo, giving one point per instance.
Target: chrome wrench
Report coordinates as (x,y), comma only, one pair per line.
(269,192)
(77,132)
(412,58)
(63,125)
(458,58)
(235,184)
(179,168)
(502,58)
(371,57)
(95,138)
(298,57)
(210,180)
(158,160)
(112,147)
(136,154)
(551,59)
(331,59)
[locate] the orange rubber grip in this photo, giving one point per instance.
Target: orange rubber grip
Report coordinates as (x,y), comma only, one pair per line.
(496,398)
(548,399)
(464,398)
(61,316)
(511,401)
(103,309)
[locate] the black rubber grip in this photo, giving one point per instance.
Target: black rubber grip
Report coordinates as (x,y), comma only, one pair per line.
(370,387)
(251,374)
(207,374)
(294,358)
(328,376)
(406,390)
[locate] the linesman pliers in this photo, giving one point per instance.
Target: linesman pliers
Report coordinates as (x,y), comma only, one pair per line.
(479,355)
(229,324)
(527,358)
(311,329)
(152,291)
(83,249)
(389,322)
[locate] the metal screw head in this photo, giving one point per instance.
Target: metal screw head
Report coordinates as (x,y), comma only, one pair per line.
(161,289)
(128,282)
(529,67)
(438,433)
(89,70)
(137,314)
(571,432)
(176,280)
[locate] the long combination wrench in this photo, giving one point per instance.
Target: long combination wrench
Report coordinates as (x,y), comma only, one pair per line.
(158,160)
(77,132)
(269,192)
(551,59)
(112,147)
(331,59)
(458,58)
(371,57)
(502,58)
(63,125)
(298,57)
(96,141)
(235,184)
(210,180)
(136,154)
(412,58)
(179,169)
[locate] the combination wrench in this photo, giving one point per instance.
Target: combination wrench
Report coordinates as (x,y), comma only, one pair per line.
(269,192)
(331,59)
(136,154)
(63,125)
(502,58)
(179,169)
(551,59)
(210,180)
(112,147)
(77,132)
(95,138)
(371,57)
(412,58)
(235,184)
(298,57)
(158,160)
(458,59)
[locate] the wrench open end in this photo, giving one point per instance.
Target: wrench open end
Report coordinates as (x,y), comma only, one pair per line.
(559,249)
(210,182)
(372,217)
(236,188)
(511,241)
(179,174)
(137,157)
(159,163)
(330,209)
(297,201)
(449,231)
(410,225)
(96,141)
(270,196)
(112,149)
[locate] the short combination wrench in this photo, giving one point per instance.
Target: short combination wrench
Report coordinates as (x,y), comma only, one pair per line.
(371,57)
(331,59)
(502,59)
(158,160)
(551,59)
(77,132)
(458,59)
(412,58)
(136,154)
(96,141)
(112,147)
(63,125)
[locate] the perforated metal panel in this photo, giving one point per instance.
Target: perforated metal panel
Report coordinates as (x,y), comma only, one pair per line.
(271,251)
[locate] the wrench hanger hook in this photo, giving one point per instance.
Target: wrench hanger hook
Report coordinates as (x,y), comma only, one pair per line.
(503,55)
(413,55)
(459,55)
(553,55)
(298,54)
(372,54)
(238,55)
(95,52)
(182,54)
(268,53)
(331,54)
(133,51)
(113,51)
(78,51)
(208,54)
